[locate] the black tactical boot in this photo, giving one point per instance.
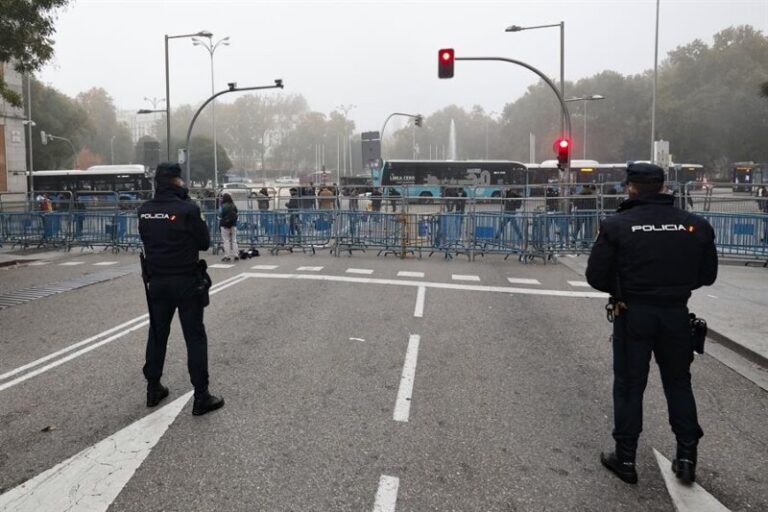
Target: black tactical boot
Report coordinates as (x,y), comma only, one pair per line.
(155,393)
(621,463)
(206,402)
(684,465)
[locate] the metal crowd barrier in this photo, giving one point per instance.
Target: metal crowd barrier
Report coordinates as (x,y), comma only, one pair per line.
(528,227)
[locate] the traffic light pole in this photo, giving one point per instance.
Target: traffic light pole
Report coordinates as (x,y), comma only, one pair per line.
(563,105)
(232,88)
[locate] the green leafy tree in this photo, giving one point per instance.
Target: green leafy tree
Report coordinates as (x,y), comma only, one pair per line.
(108,138)
(201,159)
(26,37)
(59,115)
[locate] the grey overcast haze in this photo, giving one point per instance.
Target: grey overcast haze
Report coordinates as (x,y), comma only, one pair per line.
(378,56)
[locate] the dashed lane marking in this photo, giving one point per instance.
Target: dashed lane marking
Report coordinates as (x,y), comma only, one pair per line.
(386,495)
(522,280)
(220,265)
(92,479)
(105,263)
(431,284)
(686,498)
(418,311)
(461,277)
(309,269)
(71,263)
(264,267)
(406,273)
(39,263)
(363,271)
(405,392)
(579,284)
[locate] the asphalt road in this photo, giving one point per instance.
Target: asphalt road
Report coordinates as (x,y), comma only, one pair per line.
(508,411)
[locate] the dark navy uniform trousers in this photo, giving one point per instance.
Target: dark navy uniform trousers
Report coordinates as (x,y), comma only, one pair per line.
(663,331)
(166,295)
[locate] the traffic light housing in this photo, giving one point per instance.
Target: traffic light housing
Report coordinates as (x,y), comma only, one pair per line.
(445,59)
(562,150)
(418,120)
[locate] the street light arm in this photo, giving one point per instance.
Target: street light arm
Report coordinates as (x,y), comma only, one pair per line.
(516,28)
(390,116)
(278,85)
(541,75)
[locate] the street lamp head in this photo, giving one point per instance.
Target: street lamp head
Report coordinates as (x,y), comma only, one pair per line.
(279,82)
(204,33)
(597,97)
(513,28)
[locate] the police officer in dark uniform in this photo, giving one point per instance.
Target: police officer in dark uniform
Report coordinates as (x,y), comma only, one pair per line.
(173,232)
(648,257)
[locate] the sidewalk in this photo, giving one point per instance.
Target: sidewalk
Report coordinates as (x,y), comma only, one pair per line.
(734,307)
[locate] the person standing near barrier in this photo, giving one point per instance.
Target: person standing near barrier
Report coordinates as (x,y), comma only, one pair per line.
(586,209)
(173,232)
(376,200)
(649,257)
(228,227)
(394,195)
(762,205)
(325,199)
(263,199)
(512,203)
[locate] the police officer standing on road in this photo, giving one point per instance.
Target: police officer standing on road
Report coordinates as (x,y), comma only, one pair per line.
(649,257)
(173,232)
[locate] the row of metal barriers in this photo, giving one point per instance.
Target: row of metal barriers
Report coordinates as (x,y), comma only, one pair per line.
(525,235)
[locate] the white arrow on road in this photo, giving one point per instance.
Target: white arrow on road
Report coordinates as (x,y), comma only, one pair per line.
(686,498)
(92,479)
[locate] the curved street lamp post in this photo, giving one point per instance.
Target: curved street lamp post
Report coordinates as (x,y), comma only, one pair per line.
(232,88)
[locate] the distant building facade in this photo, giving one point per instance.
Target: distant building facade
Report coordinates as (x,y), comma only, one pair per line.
(13,141)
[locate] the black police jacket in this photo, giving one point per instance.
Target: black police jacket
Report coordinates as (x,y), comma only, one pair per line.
(173,232)
(652,252)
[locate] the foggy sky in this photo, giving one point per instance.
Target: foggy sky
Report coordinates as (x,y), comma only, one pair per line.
(379,56)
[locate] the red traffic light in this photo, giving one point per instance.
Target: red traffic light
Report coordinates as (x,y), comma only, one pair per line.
(562,149)
(445,59)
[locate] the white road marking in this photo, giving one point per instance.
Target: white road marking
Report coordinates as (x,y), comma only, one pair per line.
(143,321)
(418,311)
(686,498)
(579,284)
(105,263)
(403,402)
(264,267)
(712,296)
(92,479)
(406,273)
(522,280)
(429,284)
(460,277)
(356,339)
(365,271)
(220,265)
(386,495)
(39,263)
(69,348)
(71,263)
(309,269)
